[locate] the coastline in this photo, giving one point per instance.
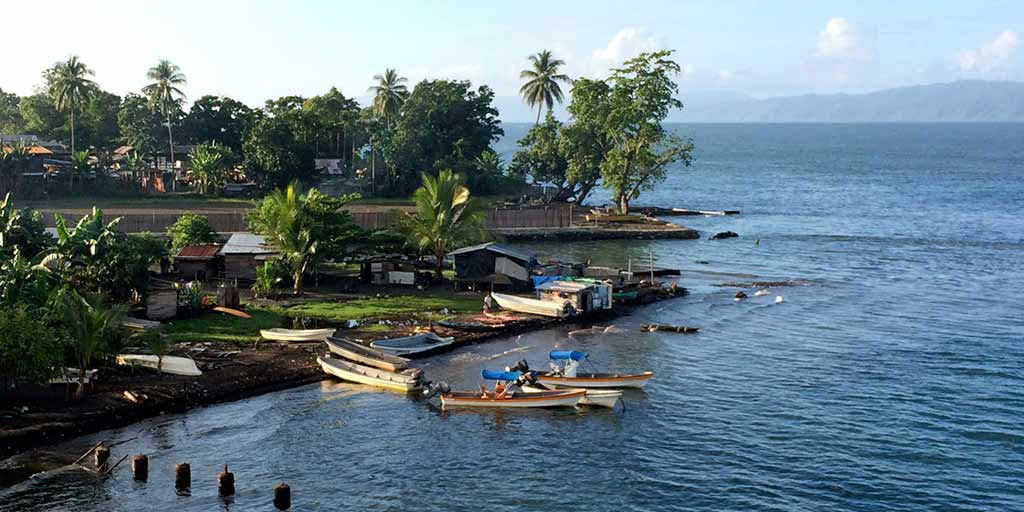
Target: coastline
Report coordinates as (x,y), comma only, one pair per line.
(256,370)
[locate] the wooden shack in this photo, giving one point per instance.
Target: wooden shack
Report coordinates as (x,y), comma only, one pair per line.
(585,296)
(243,253)
(200,262)
(494,265)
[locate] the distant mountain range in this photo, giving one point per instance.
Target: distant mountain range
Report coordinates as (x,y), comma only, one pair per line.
(962,101)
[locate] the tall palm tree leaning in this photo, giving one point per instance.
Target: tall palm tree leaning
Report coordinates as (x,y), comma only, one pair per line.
(165,92)
(445,217)
(542,87)
(68,84)
(388,95)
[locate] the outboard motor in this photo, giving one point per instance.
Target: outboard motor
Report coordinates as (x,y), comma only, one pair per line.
(526,379)
(521,366)
(433,389)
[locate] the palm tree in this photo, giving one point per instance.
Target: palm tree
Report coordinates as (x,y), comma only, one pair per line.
(94,328)
(68,86)
(444,217)
(207,166)
(80,166)
(388,95)
(542,87)
(283,218)
(165,92)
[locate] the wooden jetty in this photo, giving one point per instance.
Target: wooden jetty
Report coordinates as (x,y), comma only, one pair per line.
(657,211)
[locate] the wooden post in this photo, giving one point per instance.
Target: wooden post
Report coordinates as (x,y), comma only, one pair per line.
(101,456)
(282,496)
(140,467)
(86,454)
(226,482)
(182,476)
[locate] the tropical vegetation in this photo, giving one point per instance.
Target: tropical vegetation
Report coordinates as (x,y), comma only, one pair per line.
(68,84)
(445,218)
(541,88)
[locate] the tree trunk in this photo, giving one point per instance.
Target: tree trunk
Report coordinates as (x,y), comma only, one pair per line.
(439,268)
(539,109)
(623,204)
(72,130)
(297,283)
(170,141)
(81,383)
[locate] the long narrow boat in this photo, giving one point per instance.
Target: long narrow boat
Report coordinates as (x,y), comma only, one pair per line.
(565,398)
(171,364)
(279,334)
(568,377)
(530,306)
(412,345)
(592,397)
(352,372)
(364,355)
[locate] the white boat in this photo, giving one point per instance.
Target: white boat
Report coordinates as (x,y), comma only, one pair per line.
(412,345)
(171,364)
(364,355)
(566,375)
(530,306)
(592,397)
(409,380)
(70,376)
(564,398)
(279,334)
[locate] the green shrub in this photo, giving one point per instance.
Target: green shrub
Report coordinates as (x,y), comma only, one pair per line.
(30,351)
(191,229)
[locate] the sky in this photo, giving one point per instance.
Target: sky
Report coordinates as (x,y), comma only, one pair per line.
(255,50)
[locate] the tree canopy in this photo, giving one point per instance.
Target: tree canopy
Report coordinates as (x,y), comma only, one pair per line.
(219,119)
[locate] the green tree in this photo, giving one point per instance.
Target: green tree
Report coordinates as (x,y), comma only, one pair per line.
(541,87)
(69,87)
(138,124)
(14,161)
(331,113)
(622,118)
(21,230)
(388,95)
(219,119)
(80,166)
(273,155)
(11,120)
(24,283)
(444,125)
(445,217)
(97,122)
(191,229)
(165,93)
(42,118)
(94,328)
(208,166)
(551,153)
(30,352)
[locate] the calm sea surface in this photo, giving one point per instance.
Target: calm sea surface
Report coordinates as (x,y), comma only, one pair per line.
(891,378)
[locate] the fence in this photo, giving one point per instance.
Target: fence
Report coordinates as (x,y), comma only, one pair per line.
(234,221)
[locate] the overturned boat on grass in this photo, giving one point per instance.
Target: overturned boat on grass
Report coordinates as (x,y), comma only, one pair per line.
(170,364)
(279,334)
(532,306)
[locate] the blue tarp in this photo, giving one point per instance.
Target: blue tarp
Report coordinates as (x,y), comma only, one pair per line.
(575,355)
(539,280)
(499,375)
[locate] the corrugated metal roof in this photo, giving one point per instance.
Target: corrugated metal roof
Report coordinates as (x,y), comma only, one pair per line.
(199,252)
(246,243)
(498,248)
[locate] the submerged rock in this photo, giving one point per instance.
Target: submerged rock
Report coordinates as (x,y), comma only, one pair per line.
(724,234)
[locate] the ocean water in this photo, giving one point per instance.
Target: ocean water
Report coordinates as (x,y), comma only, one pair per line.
(890,378)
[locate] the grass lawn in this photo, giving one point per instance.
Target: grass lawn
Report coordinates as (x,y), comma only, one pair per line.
(214,326)
(383,307)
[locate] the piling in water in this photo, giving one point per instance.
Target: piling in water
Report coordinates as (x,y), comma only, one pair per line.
(182,476)
(140,467)
(101,456)
(282,496)
(226,482)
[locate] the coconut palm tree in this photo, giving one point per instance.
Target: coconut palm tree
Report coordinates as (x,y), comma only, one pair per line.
(445,217)
(283,219)
(388,95)
(94,328)
(542,87)
(165,92)
(68,85)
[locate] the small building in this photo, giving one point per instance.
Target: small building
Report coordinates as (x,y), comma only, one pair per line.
(494,264)
(585,296)
(199,262)
(242,253)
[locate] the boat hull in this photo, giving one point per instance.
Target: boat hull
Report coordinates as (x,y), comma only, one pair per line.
(596,380)
(296,334)
(367,356)
(171,364)
(593,397)
(568,398)
(529,306)
(412,346)
(360,375)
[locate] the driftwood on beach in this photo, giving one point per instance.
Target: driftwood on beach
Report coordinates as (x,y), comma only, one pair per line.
(684,329)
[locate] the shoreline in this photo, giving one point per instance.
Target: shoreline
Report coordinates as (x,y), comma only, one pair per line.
(256,370)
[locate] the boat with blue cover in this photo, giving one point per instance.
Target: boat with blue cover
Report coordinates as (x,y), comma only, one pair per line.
(565,374)
(508,394)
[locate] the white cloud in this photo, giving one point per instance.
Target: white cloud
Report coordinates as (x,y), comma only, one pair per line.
(625,44)
(845,56)
(991,56)
(844,41)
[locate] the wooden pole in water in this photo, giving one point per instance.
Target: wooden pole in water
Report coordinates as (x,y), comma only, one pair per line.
(226,482)
(101,456)
(86,454)
(282,496)
(182,476)
(140,467)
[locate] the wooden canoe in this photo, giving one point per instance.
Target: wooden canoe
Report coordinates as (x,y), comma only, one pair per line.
(412,345)
(278,334)
(596,380)
(364,355)
(566,398)
(232,312)
(352,372)
(171,364)
(592,397)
